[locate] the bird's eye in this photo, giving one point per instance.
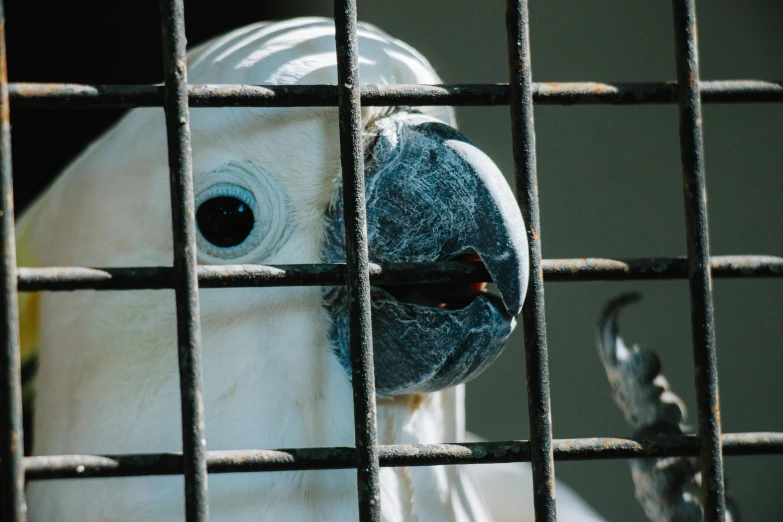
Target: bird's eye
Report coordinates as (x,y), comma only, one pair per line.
(229,220)
(241,214)
(225,221)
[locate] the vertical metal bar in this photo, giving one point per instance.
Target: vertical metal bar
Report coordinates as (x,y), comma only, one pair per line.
(533,315)
(352,159)
(699,272)
(185,281)
(12,501)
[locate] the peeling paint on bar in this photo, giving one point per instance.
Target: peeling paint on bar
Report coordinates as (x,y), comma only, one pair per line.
(357,262)
(533,314)
(93,466)
(699,269)
(80,96)
(12,500)
(184,276)
(65,278)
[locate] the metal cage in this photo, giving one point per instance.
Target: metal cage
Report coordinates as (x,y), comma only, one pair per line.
(185,277)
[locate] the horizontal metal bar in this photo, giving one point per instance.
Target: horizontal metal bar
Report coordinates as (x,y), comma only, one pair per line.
(81,96)
(637,269)
(92,466)
(231,276)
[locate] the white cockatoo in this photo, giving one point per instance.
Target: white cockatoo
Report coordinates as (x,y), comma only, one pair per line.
(275,360)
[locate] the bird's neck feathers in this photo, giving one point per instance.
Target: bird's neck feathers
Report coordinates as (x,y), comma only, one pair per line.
(276,370)
(283,387)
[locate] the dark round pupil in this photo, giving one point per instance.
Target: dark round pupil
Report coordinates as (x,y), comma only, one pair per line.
(225,221)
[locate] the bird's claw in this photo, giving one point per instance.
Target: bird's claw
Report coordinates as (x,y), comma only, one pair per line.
(667,488)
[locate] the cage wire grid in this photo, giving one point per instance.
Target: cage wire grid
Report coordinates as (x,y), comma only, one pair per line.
(185,276)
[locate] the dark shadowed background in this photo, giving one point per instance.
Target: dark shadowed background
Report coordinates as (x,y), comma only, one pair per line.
(609,178)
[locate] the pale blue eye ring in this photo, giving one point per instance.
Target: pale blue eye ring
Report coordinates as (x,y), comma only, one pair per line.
(263,195)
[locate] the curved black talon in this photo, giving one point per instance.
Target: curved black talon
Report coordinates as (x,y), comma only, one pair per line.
(669,489)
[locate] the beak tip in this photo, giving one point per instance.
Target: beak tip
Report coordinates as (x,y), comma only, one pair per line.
(515,306)
(515,299)
(512,284)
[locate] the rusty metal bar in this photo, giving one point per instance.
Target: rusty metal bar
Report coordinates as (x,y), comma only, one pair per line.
(12,498)
(357,262)
(699,276)
(65,278)
(81,96)
(92,466)
(657,268)
(533,313)
(184,269)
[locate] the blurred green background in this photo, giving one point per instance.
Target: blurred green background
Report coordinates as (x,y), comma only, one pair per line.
(609,178)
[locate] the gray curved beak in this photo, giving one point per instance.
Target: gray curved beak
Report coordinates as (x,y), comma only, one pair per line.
(432,195)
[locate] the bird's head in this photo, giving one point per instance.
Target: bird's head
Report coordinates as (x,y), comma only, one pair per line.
(267,185)
(268,190)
